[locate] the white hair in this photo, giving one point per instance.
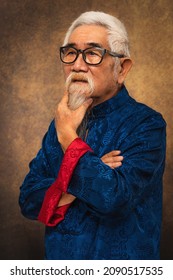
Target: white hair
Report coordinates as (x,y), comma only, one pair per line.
(117,34)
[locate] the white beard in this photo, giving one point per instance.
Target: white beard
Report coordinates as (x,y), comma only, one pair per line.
(78,94)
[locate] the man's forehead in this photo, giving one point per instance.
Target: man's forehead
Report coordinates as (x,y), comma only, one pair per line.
(89,35)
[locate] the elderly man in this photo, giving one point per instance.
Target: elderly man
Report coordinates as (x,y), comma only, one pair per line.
(96,183)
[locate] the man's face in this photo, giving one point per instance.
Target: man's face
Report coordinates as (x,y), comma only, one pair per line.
(103,83)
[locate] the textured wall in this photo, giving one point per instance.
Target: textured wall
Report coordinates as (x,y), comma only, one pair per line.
(32,84)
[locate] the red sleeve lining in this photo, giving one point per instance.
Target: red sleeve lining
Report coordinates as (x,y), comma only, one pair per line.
(50,214)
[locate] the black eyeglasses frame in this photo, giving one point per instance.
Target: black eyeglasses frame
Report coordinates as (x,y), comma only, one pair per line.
(104,51)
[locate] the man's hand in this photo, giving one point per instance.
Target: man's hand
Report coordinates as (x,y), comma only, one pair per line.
(67,121)
(66,198)
(112,159)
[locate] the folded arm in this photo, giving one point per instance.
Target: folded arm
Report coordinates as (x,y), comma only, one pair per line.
(112,159)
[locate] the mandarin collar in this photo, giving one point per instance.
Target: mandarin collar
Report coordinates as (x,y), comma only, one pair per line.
(110,105)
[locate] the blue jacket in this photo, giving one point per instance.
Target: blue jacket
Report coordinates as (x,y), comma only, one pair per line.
(118,212)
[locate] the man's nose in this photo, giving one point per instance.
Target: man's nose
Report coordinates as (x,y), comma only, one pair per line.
(80,64)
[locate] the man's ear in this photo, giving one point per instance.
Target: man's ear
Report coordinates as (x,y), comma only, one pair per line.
(125,66)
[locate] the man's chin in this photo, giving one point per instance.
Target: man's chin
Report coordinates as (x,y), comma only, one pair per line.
(74,101)
(78,93)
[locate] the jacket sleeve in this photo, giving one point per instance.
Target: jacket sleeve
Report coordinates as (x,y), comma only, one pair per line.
(117,191)
(50,213)
(40,177)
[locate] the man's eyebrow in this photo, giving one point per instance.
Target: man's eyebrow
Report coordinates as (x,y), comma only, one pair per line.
(70,45)
(91,44)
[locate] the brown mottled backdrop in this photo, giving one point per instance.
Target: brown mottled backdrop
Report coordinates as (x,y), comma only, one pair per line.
(32,84)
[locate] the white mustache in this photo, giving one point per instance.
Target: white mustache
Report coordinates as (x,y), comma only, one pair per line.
(73,77)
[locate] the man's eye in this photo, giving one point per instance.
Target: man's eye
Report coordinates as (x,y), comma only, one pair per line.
(69,52)
(92,53)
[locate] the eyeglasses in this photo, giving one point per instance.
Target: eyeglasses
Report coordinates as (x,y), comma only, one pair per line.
(91,56)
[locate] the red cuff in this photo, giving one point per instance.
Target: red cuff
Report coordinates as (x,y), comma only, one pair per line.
(50,214)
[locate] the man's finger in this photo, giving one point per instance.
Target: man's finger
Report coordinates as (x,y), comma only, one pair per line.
(114,165)
(64,99)
(112,153)
(115,153)
(112,159)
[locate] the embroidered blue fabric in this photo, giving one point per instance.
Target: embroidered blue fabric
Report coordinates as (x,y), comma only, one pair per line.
(118,212)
